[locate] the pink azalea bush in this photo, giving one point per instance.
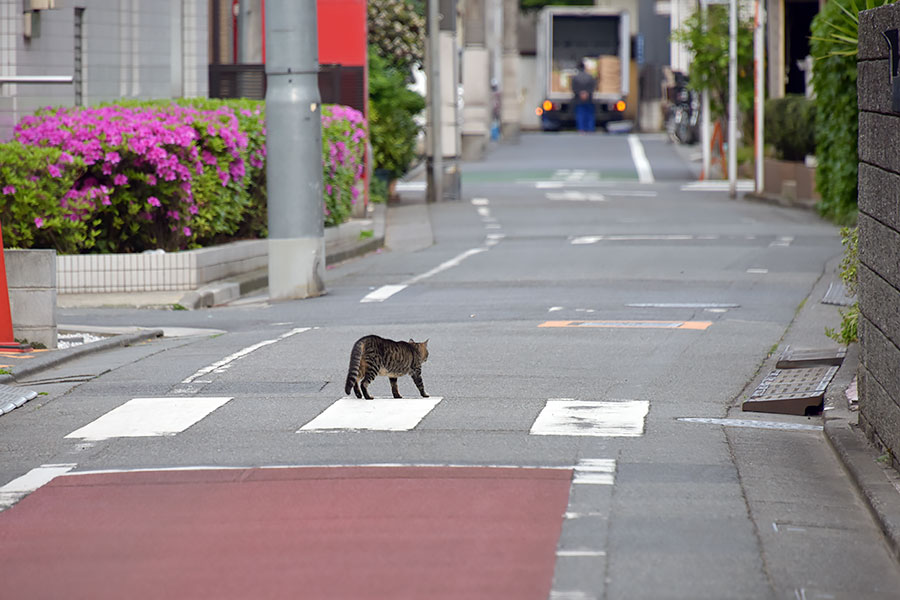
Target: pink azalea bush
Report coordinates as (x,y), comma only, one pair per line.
(160,174)
(343,152)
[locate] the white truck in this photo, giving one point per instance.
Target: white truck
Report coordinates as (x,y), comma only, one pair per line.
(601,38)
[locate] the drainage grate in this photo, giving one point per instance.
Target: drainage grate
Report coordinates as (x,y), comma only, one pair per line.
(792,359)
(12,398)
(791,391)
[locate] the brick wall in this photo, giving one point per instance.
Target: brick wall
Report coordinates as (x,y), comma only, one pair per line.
(879,232)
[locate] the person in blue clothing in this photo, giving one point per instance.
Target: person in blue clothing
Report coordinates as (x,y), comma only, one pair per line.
(583,86)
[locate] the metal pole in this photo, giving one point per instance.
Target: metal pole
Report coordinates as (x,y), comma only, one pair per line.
(732,100)
(435,170)
(294,151)
(759,87)
(704,108)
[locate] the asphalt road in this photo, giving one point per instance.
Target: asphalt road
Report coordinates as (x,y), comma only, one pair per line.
(578,307)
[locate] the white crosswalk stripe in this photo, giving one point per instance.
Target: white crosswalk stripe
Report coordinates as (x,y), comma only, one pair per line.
(380,414)
(149,417)
(565,416)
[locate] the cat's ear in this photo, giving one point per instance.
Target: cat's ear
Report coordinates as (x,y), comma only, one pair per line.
(425,342)
(411,341)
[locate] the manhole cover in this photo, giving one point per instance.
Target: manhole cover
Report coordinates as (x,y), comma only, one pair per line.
(791,391)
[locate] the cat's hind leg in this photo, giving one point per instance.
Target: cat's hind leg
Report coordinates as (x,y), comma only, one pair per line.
(394,389)
(367,378)
(356,389)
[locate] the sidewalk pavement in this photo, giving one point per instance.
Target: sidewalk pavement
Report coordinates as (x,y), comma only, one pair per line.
(406,226)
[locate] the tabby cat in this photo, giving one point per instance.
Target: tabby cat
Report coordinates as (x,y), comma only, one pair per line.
(372,356)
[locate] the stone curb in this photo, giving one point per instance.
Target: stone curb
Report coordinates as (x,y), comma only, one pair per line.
(53,358)
(859,457)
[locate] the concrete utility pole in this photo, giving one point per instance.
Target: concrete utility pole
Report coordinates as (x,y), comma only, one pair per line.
(294,144)
(509,107)
(732,99)
(434,162)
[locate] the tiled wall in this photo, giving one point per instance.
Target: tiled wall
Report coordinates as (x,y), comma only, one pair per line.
(128,53)
(105,273)
(879,232)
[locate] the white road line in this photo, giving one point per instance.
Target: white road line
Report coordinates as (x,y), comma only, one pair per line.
(757,271)
(779,425)
(480,202)
(220,365)
(718,185)
(579,553)
(149,417)
(595,471)
(380,414)
(645,174)
(320,466)
(593,239)
(386,291)
(565,416)
(20,487)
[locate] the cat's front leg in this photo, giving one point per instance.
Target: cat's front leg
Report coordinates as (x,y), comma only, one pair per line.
(417,379)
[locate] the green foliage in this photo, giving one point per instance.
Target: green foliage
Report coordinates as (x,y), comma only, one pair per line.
(833,46)
(392,106)
(849,268)
(707,37)
(790,126)
(30,198)
(397,32)
(134,175)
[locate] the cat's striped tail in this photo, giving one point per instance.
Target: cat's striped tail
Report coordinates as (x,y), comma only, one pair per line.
(353,371)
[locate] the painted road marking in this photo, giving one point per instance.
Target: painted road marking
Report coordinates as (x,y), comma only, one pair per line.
(694,325)
(716,185)
(386,291)
(645,173)
(575,196)
(753,424)
(682,305)
(565,416)
(221,366)
(149,417)
(380,414)
(757,271)
(595,471)
(20,487)
(593,239)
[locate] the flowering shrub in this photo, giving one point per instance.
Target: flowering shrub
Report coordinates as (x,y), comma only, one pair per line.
(30,198)
(343,151)
(159,174)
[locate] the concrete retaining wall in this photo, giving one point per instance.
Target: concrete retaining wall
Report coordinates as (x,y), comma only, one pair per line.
(879,232)
(31,278)
(189,270)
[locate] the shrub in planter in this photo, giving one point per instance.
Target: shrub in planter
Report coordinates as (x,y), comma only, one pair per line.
(790,126)
(343,151)
(32,180)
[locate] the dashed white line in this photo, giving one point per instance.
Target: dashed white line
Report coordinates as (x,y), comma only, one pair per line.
(386,291)
(220,365)
(645,173)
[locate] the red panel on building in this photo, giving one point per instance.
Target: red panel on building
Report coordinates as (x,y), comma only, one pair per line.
(342,32)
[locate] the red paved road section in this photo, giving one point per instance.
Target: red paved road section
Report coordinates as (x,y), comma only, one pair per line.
(336,533)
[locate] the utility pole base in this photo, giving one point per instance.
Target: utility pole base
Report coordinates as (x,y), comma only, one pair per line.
(296,268)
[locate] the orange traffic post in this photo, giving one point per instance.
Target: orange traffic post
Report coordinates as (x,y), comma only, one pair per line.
(8,342)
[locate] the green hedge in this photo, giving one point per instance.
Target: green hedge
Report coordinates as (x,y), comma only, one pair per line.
(138,175)
(790,126)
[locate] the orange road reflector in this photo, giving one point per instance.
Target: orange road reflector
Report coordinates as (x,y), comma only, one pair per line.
(695,325)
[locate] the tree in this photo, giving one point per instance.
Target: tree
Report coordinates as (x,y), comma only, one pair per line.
(397,32)
(707,37)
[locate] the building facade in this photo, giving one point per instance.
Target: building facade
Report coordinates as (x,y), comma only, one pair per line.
(108,50)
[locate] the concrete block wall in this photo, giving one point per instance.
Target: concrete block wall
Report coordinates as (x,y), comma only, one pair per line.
(879,232)
(31,278)
(130,49)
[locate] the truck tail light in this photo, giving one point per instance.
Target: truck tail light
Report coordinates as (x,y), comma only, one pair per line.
(547,105)
(539,111)
(620,106)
